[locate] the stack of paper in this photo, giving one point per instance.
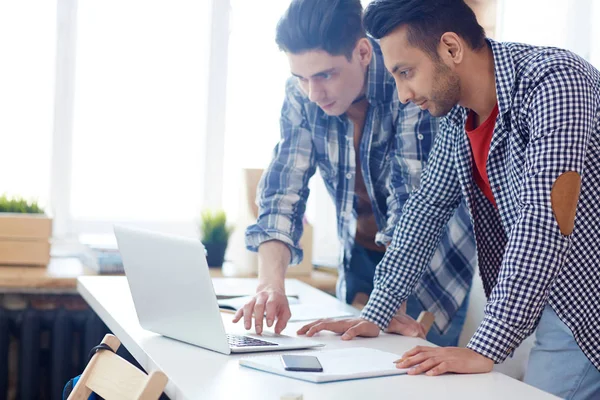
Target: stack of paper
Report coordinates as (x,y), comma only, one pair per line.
(101,253)
(338,365)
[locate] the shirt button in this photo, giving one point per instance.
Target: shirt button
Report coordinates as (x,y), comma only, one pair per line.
(420,136)
(349,175)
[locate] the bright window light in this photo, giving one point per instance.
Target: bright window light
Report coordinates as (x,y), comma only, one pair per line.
(27,49)
(255,92)
(139,116)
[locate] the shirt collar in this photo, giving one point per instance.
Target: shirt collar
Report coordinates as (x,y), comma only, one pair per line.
(380,84)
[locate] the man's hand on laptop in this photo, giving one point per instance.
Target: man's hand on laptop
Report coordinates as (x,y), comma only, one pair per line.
(350,328)
(270,298)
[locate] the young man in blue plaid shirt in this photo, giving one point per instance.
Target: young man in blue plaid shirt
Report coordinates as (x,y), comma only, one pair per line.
(341,115)
(520,143)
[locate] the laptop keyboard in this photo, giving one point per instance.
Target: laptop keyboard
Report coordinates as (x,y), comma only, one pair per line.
(246,341)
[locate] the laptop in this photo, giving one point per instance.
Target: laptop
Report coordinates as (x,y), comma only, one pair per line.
(173,294)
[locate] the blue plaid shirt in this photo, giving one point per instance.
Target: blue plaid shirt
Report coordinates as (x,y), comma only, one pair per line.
(394,147)
(548,124)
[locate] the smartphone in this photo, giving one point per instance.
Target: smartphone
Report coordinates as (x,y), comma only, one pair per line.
(301,363)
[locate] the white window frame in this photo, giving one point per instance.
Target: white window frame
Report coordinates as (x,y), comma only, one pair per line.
(62,136)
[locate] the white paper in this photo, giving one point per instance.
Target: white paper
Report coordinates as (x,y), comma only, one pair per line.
(236,303)
(300,311)
(311,312)
(338,365)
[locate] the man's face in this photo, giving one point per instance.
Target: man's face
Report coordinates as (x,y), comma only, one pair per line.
(332,82)
(430,84)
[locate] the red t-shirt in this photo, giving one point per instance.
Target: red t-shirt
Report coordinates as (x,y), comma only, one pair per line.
(480,139)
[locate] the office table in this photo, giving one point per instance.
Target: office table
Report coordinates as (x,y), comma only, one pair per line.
(196,373)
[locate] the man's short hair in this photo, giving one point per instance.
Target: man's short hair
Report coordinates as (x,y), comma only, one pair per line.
(427,21)
(330,25)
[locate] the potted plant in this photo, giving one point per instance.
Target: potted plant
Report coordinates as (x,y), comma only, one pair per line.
(25,232)
(214,234)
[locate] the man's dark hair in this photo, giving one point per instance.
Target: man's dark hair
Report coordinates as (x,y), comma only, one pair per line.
(427,21)
(330,25)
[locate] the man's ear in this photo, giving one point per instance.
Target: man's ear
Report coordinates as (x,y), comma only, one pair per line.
(451,48)
(364,51)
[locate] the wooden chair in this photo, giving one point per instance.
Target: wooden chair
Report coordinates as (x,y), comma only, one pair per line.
(112,377)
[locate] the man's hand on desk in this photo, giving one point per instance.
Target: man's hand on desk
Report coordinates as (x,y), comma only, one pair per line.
(405,325)
(271,298)
(439,360)
(352,327)
(349,327)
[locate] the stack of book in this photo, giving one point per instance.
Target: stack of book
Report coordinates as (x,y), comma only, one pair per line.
(101,254)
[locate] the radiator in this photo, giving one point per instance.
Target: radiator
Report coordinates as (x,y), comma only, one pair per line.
(44,341)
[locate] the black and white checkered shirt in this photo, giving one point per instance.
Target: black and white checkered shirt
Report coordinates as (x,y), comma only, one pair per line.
(548,124)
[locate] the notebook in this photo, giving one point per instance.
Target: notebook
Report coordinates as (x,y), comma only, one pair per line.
(338,365)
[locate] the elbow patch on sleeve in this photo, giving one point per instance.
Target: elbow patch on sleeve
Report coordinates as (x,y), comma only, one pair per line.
(564,198)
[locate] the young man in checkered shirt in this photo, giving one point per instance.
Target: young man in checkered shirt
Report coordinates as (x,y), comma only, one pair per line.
(342,116)
(520,142)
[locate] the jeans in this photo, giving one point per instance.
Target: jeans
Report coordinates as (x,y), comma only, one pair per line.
(359,278)
(556,363)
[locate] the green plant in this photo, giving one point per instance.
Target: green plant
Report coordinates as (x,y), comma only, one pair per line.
(213,227)
(19,205)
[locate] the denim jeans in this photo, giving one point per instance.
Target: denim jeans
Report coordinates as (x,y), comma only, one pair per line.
(359,278)
(556,363)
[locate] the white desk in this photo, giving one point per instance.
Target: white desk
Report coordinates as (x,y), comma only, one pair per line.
(195,373)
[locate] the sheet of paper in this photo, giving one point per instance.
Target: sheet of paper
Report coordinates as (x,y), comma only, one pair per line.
(235,303)
(300,311)
(338,364)
(311,312)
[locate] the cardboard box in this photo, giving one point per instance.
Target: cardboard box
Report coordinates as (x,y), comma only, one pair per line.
(25,239)
(246,262)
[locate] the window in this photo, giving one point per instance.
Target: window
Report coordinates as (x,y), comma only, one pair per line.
(139,116)
(257,72)
(27,47)
(595,55)
(139,140)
